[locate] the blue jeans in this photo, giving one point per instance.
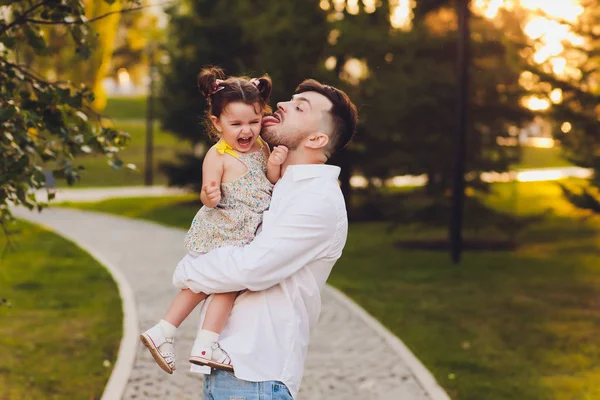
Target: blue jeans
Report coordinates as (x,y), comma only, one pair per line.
(221,385)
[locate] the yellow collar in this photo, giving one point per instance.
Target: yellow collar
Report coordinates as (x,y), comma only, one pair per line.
(223,147)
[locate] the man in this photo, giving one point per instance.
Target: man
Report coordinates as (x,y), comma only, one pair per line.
(286,266)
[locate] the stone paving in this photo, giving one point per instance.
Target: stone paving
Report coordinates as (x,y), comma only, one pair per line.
(347,359)
(103,193)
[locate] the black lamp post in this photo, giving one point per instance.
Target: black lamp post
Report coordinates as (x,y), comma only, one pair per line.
(148,161)
(458,185)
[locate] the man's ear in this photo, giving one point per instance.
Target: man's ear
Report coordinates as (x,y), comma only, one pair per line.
(216,123)
(317,141)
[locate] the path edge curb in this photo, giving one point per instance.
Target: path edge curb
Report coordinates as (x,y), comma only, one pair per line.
(421,373)
(119,377)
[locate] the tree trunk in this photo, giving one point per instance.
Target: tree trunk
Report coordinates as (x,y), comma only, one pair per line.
(343,161)
(342,158)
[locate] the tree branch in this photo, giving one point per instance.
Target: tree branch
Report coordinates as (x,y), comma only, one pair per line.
(32,76)
(23,17)
(81,22)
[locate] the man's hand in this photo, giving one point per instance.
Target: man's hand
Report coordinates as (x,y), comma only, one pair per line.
(212,194)
(278,155)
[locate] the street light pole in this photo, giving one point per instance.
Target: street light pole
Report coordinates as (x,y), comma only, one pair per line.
(458,187)
(148,162)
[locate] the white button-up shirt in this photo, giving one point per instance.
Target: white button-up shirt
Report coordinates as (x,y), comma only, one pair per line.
(284,269)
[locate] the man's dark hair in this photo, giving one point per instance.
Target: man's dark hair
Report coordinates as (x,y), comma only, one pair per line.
(343,113)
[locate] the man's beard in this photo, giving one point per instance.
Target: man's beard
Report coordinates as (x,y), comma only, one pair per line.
(271,136)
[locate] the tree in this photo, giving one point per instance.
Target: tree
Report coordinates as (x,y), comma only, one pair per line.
(407,94)
(284,39)
(577,116)
(61,61)
(45,123)
(136,33)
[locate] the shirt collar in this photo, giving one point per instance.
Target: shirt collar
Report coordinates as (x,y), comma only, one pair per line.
(308,171)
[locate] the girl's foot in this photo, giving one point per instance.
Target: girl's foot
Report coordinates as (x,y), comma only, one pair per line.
(161,347)
(213,356)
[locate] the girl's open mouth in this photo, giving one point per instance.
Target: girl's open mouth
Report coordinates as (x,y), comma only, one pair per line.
(245,142)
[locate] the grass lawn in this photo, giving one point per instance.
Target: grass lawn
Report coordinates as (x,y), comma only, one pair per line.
(520,325)
(132,107)
(60,337)
(98,173)
(533,157)
(177,211)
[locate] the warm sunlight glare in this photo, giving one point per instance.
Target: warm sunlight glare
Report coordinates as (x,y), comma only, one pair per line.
(542,24)
(527,80)
(556,96)
(370,6)
(558,65)
(354,71)
(536,103)
(541,142)
(123,77)
(339,5)
(493,8)
(561,9)
(352,7)
(401,13)
(330,63)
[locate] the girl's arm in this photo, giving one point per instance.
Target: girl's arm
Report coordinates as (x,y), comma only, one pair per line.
(276,158)
(212,175)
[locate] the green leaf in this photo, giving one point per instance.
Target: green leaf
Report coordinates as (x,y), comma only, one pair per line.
(115,164)
(35,39)
(8,41)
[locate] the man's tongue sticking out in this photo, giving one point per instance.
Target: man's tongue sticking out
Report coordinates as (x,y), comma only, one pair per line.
(269,121)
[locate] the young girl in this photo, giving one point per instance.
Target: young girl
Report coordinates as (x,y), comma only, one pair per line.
(238,174)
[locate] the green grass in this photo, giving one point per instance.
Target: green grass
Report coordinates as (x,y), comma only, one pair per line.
(98,173)
(65,320)
(177,211)
(533,157)
(520,325)
(126,107)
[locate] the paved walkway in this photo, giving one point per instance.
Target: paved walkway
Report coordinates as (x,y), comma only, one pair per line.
(103,193)
(145,255)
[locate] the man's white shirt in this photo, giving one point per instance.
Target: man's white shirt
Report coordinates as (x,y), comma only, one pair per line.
(284,269)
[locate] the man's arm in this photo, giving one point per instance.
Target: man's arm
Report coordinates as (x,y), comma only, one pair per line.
(304,233)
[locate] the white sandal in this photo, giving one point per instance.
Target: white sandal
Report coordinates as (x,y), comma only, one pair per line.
(213,356)
(154,338)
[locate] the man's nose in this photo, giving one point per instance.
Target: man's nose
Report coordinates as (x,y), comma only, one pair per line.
(281,106)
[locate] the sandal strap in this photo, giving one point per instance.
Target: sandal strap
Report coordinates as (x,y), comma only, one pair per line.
(160,340)
(220,355)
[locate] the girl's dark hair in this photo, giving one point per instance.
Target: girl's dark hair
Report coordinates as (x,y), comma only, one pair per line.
(232,89)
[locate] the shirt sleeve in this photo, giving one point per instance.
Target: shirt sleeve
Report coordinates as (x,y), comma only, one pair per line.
(302,234)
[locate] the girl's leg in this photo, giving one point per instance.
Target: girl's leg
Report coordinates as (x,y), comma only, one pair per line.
(183,304)
(160,338)
(206,350)
(218,312)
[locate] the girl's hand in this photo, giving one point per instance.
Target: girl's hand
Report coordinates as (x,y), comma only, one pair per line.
(212,193)
(278,155)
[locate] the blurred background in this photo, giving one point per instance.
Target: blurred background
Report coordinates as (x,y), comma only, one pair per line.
(517,318)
